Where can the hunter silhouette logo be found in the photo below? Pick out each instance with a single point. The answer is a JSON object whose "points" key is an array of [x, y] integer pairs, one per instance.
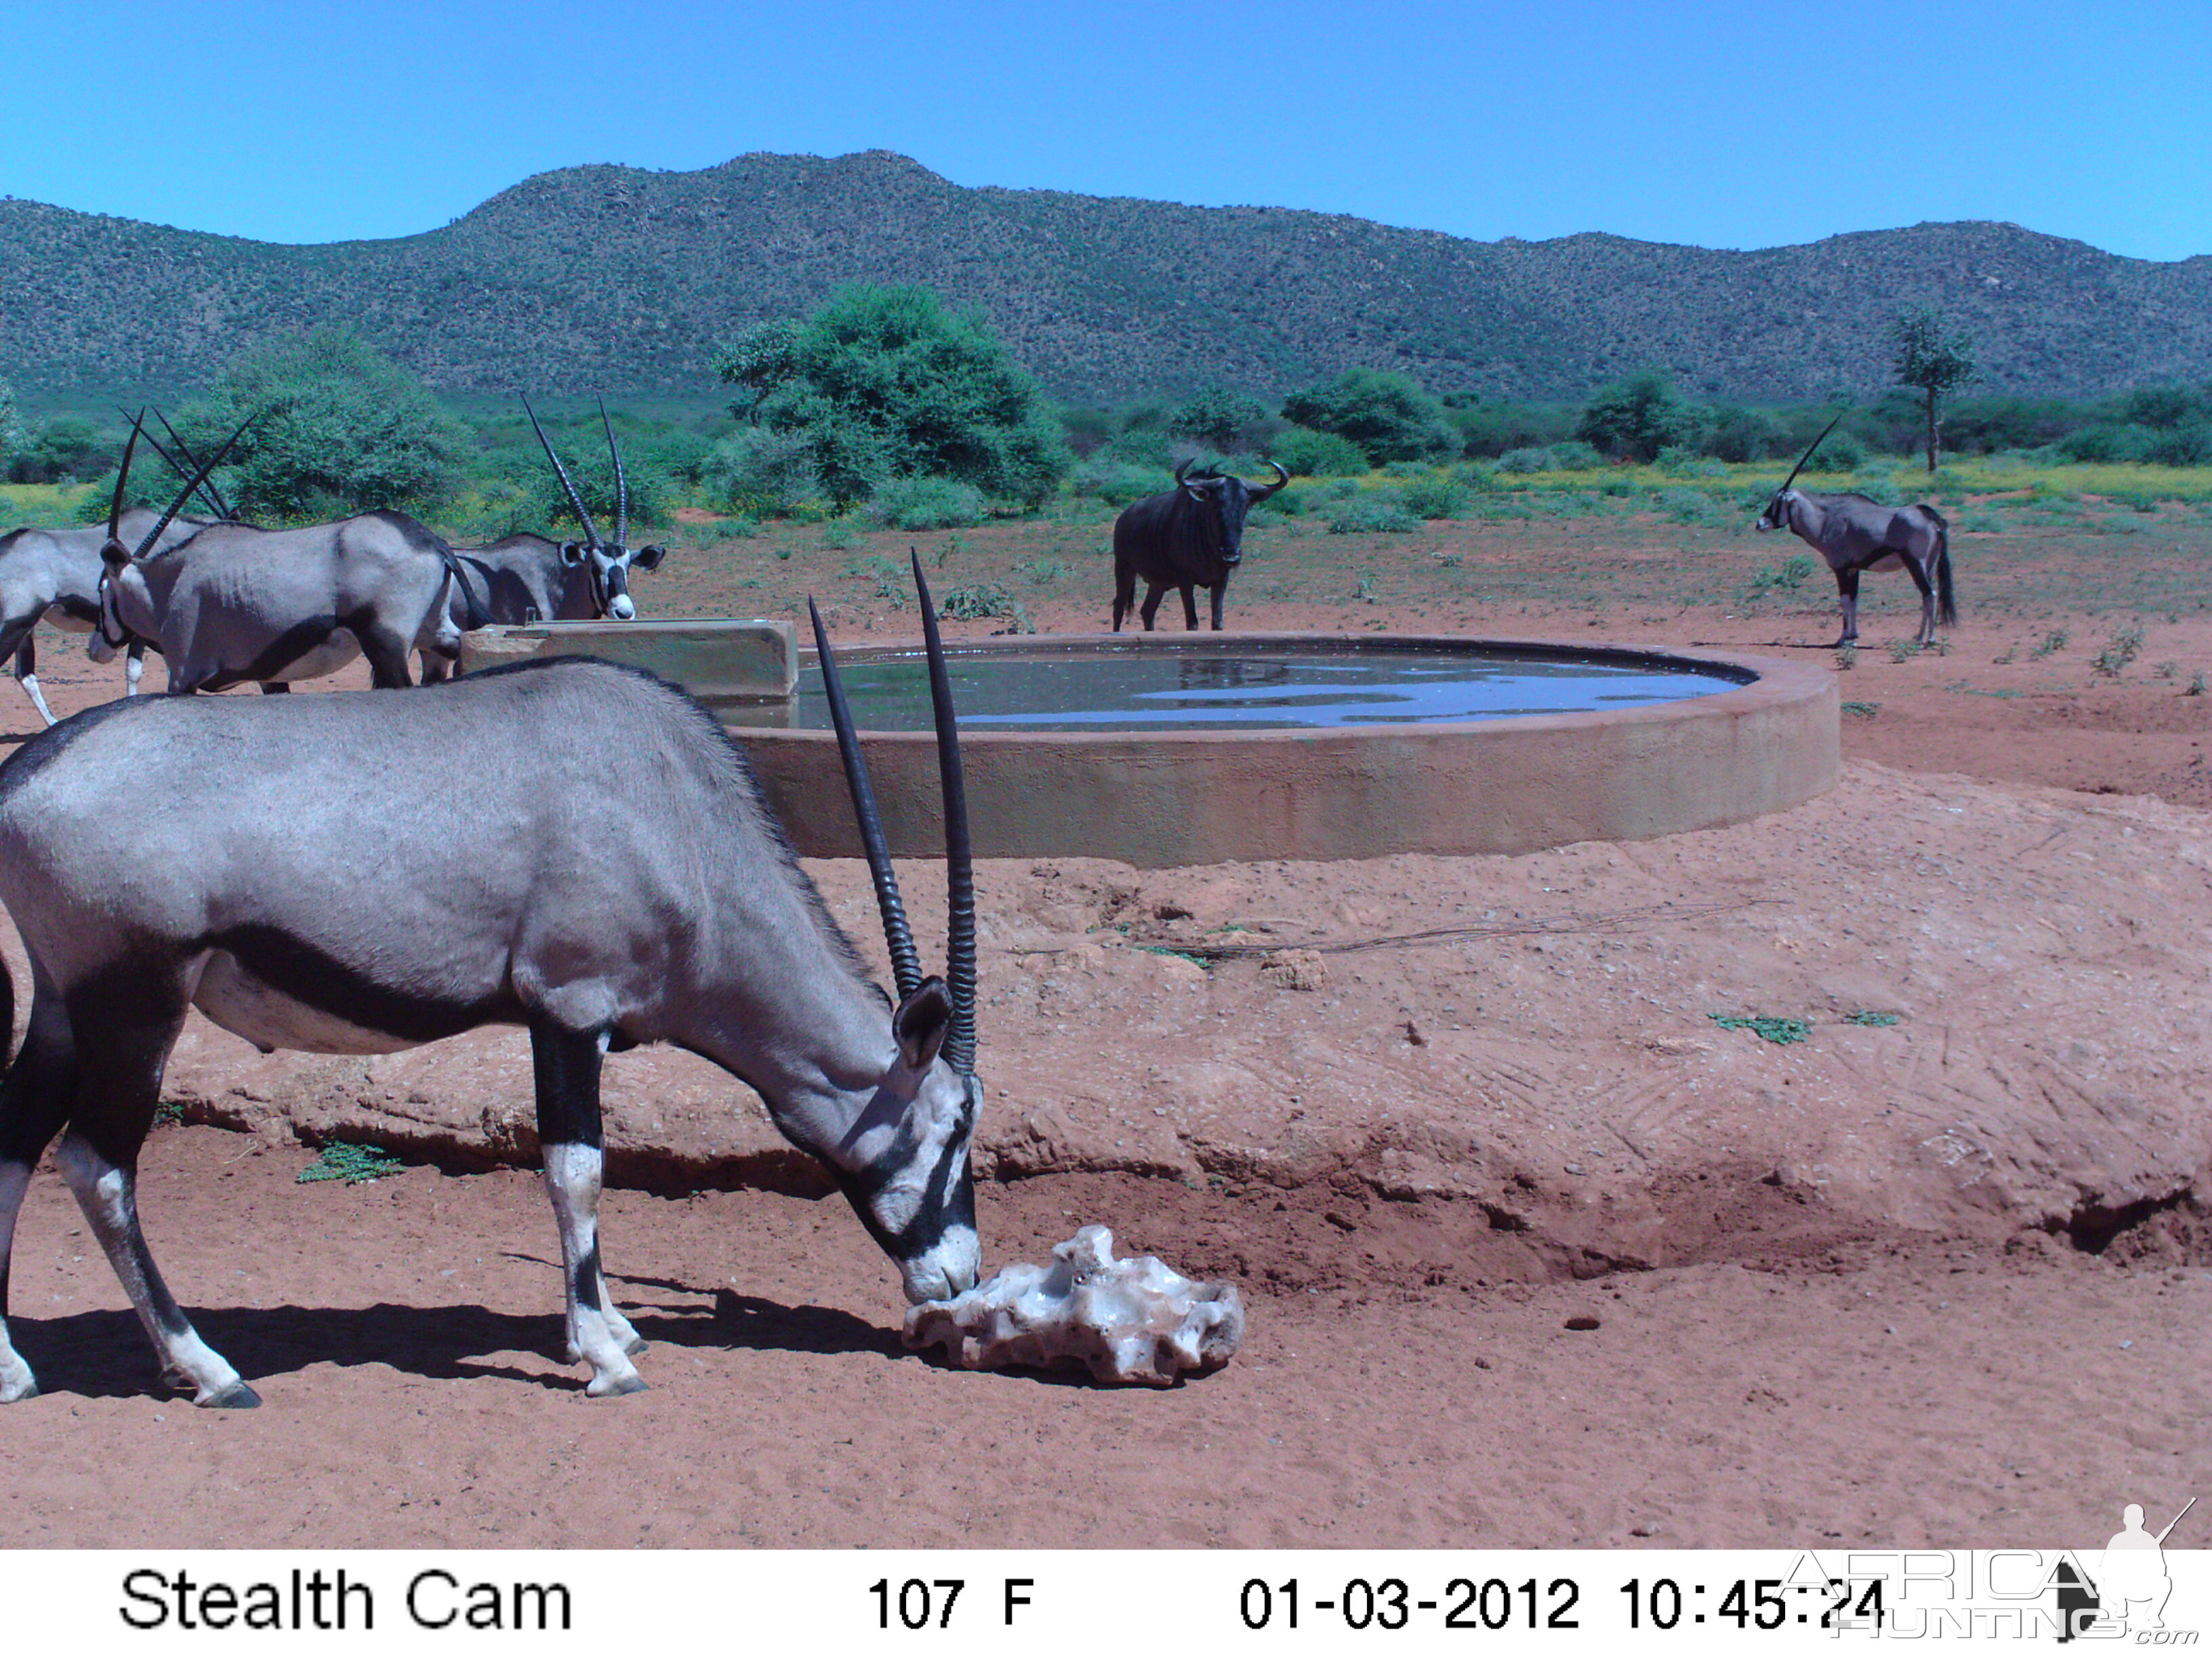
{"points": [[2130, 1585]]}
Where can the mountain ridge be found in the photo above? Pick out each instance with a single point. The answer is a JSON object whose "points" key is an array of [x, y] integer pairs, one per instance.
{"points": [[624, 279]]}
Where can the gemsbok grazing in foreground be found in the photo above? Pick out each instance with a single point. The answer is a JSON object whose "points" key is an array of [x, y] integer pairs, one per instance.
{"points": [[602, 873], [1190, 537], [528, 578], [232, 602], [1855, 534]]}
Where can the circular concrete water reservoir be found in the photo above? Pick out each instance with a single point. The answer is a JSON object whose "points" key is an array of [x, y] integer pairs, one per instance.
{"points": [[1164, 750]]}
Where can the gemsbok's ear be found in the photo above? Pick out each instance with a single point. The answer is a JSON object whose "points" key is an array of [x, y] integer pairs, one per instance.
{"points": [[572, 554], [647, 558], [921, 1022]]}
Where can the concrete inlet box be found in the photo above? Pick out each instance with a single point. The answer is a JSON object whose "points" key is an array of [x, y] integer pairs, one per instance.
{"points": [[724, 664]]}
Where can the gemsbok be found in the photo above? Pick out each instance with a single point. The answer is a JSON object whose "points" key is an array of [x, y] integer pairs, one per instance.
{"points": [[1853, 534], [564, 844]]}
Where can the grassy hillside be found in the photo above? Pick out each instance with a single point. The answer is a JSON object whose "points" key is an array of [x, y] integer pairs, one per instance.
{"points": [[620, 280]]}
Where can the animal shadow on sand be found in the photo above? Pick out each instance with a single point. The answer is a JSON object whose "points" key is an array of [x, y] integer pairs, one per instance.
{"points": [[105, 1356]]}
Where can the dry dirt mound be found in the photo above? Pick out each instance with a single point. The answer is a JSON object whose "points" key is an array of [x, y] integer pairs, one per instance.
{"points": [[1998, 992]]}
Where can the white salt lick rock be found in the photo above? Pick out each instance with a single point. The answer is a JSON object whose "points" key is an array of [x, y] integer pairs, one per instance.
{"points": [[1131, 1321]]}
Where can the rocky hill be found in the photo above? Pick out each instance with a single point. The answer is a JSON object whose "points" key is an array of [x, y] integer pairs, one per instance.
{"points": [[616, 279]]}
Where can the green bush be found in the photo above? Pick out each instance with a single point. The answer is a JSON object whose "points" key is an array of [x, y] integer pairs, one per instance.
{"points": [[1736, 434], [1639, 417], [1374, 512], [340, 427], [1388, 416], [582, 446], [1307, 453], [1436, 498], [887, 383], [2189, 445], [1117, 483], [62, 451], [928, 504], [760, 472], [1217, 416]]}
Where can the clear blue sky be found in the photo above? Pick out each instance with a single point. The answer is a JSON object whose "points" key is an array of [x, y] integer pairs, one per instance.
{"points": [[1725, 125]]}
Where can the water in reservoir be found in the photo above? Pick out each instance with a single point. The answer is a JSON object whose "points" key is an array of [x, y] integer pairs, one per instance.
{"points": [[1191, 689]]}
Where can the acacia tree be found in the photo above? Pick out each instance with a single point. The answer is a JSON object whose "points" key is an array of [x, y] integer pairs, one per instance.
{"points": [[338, 428], [888, 383], [1931, 363]]}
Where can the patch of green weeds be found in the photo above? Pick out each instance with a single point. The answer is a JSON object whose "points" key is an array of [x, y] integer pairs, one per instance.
{"points": [[1181, 956], [1904, 650], [2049, 644], [342, 1160], [1865, 711], [1771, 1028], [1870, 1016], [1847, 658], [2124, 648], [839, 534], [169, 1111], [2196, 684], [2166, 670]]}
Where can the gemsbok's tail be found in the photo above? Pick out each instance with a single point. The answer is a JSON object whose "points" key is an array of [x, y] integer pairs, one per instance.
{"points": [[1947, 606]]}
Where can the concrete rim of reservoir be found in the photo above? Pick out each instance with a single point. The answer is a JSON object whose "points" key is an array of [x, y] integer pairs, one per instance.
{"points": [[1155, 800]]}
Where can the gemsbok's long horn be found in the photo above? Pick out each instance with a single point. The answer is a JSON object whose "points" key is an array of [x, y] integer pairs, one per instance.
{"points": [[115, 507], [122, 477], [209, 491], [621, 484], [591, 530], [906, 961], [1809, 448], [959, 866]]}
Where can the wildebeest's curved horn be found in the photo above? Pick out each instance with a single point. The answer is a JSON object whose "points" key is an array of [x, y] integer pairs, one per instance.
{"points": [[906, 961], [591, 530], [959, 1048], [1281, 478], [1184, 468], [621, 484], [1809, 448], [184, 496]]}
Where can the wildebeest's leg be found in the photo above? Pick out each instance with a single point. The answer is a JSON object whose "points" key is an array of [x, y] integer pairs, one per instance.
{"points": [[1927, 599], [27, 672], [123, 1032], [134, 666], [275, 688], [1189, 591], [1220, 590], [1154, 593], [1847, 589], [33, 1103], [566, 1065]]}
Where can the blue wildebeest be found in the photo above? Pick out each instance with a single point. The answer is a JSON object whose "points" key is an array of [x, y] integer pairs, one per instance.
{"points": [[1853, 534], [518, 876], [1191, 536]]}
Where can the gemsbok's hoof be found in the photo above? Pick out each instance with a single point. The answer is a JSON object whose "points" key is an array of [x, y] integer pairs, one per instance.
{"points": [[636, 1344], [236, 1398], [607, 1387], [26, 1389]]}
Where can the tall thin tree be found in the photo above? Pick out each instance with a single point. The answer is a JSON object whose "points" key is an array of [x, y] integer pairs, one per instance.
{"points": [[1934, 365]]}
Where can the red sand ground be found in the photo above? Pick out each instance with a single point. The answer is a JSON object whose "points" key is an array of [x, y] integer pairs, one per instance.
{"points": [[1817, 1362]]}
